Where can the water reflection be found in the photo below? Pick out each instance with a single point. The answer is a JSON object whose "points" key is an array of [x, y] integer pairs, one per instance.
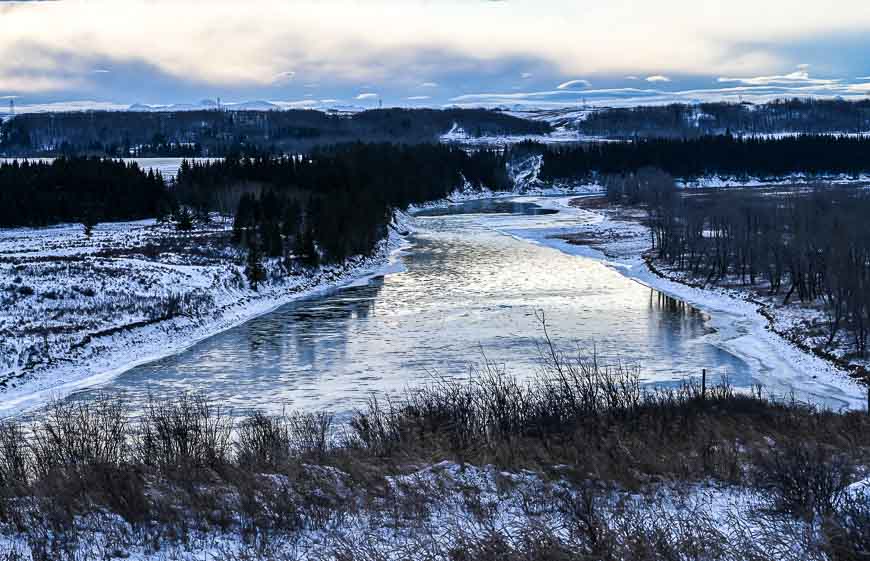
{"points": [[466, 288]]}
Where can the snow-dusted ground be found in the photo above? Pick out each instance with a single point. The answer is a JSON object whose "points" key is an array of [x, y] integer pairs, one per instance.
{"points": [[77, 311], [434, 511]]}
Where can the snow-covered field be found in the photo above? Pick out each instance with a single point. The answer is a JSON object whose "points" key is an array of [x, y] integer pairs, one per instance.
{"points": [[78, 310]]}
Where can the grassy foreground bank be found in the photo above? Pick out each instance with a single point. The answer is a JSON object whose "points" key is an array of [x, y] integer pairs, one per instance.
{"points": [[583, 462]]}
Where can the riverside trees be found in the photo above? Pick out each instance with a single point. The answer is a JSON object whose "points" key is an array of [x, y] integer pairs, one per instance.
{"points": [[724, 155], [86, 190], [808, 246]]}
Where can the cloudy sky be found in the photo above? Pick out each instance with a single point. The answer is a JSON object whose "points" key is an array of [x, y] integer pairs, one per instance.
{"points": [[113, 53]]}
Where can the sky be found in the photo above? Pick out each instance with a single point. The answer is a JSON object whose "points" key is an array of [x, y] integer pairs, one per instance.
{"points": [[75, 54]]}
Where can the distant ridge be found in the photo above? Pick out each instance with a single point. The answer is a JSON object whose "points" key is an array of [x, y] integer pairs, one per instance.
{"points": [[209, 104]]}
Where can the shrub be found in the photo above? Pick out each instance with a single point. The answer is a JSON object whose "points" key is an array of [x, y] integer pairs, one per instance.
{"points": [[184, 436], [75, 436], [14, 455], [263, 441], [807, 478], [847, 530]]}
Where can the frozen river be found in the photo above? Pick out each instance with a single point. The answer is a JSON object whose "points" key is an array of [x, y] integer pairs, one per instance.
{"points": [[467, 291]]}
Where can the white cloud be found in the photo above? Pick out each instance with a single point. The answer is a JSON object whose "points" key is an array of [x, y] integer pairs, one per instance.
{"points": [[798, 77], [367, 95], [572, 83], [632, 78], [657, 78], [418, 97], [100, 71], [526, 75], [429, 85]]}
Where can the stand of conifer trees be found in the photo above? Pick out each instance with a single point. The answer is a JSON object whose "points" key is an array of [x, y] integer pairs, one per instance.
{"points": [[88, 190], [723, 155], [693, 120]]}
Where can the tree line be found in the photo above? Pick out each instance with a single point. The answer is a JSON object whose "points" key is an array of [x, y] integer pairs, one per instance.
{"points": [[219, 133], [684, 120], [88, 190], [723, 155], [808, 246]]}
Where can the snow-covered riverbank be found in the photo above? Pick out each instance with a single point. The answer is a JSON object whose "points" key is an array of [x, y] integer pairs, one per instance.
{"points": [[79, 311]]}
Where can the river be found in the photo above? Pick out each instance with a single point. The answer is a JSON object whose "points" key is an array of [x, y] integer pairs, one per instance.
{"points": [[467, 293]]}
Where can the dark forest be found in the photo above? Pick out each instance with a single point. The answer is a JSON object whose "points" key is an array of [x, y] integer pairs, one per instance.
{"points": [[723, 155], [221, 133]]}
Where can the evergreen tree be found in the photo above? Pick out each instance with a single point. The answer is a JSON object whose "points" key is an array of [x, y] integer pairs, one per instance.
{"points": [[184, 219], [305, 249], [88, 224], [254, 270]]}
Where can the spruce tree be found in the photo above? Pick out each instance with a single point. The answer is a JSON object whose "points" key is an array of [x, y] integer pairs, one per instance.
{"points": [[88, 224], [254, 269], [184, 219]]}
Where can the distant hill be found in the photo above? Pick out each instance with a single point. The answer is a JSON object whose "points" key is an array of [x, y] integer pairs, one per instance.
{"points": [[781, 117], [193, 131]]}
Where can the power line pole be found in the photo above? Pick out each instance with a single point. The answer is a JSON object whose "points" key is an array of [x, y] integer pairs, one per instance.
{"points": [[12, 106]]}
